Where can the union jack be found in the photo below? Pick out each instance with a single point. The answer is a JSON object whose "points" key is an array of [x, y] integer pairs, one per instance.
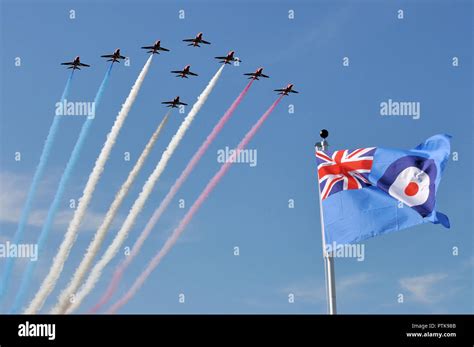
{"points": [[344, 170]]}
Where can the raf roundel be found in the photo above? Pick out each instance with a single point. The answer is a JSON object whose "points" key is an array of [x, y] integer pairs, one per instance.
{"points": [[411, 180], [412, 186]]}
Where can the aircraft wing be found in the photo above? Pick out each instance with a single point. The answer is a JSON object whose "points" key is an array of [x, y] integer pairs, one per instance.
{"points": [[294, 91], [81, 64], [176, 71], [168, 102], [70, 63], [206, 42], [107, 56], [279, 90], [250, 74], [148, 47], [164, 49], [182, 103], [220, 58], [192, 73], [262, 75], [189, 40]]}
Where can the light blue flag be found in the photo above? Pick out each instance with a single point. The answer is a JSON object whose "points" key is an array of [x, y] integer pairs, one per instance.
{"points": [[372, 191]]}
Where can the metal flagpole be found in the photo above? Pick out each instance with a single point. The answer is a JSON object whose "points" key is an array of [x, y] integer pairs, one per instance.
{"points": [[328, 256]]}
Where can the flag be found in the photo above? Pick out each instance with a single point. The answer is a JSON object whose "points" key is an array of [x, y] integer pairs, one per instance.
{"points": [[371, 191]]}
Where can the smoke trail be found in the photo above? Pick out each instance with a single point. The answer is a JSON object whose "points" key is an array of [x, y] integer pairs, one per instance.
{"points": [[190, 214], [38, 175], [144, 194], [58, 263], [76, 152], [94, 246], [169, 197]]}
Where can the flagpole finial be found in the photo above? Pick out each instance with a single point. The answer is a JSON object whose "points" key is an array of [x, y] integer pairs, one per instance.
{"points": [[323, 145], [324, 133]]}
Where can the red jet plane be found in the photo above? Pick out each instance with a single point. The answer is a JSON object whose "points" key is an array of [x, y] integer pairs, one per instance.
{"points": [[185, 72], [228, 58], [75, 64], [155, 48], [196, 41], [286, 90], [175, 103], [115, 57], [255, 75]]}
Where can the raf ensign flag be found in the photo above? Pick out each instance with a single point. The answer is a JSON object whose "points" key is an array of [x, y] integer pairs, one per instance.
{"points": [[372, 191]]}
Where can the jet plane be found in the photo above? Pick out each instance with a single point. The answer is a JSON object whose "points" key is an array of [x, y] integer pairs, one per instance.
{"points": [[75, 64], [228, 58], [285, 91], [196, 41], [185, 72], [155, 48], [255, 75], [115, 57], [175, 103]]}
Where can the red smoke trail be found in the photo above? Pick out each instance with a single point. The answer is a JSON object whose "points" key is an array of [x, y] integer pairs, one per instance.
{"points": [[168, 198], [190, 214]]}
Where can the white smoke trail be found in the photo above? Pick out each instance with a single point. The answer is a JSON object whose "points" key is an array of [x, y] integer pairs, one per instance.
{"points": [[142, 198], [52, 277], [203, 196], [94, 246]]}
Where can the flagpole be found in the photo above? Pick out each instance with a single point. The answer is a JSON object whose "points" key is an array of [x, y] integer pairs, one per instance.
{"points": [[329, 272]]}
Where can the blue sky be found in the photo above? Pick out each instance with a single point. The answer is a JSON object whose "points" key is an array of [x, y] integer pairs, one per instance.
{"points": [[280, 248]]}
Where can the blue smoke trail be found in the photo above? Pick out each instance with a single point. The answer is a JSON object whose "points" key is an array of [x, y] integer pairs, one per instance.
{"points": [[43, 236], [38, 175]]}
